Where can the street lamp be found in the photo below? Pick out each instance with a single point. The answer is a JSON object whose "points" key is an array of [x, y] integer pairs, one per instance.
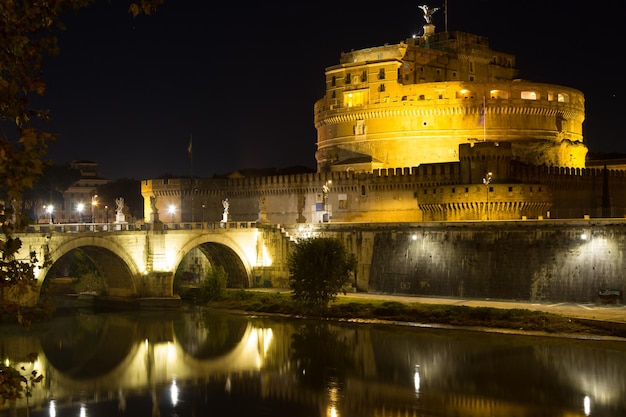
{"points": [[80, 208], [326, 190], [487, 181], [50, 210], [171, 210], [94, 203]]}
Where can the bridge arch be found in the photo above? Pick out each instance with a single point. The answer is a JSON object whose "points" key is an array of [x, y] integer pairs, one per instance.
{"points": [[116, 266], [220, 249]]}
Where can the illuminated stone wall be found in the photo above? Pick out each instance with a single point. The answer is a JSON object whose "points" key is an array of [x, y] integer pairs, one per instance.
{"points": [[450, 191], [536, 260]]}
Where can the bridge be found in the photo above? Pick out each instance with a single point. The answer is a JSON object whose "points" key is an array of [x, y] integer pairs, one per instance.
{"points": [[532, 260], [139, 261]]}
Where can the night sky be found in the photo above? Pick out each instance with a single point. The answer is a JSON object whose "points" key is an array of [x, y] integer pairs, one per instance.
{"points": [[241, 78]]}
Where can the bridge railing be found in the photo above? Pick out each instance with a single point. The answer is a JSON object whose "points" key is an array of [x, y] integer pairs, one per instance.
{"points": [[129, 227]]}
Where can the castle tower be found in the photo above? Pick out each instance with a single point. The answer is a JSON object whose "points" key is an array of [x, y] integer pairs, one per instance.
{"points": [[415, 102]]}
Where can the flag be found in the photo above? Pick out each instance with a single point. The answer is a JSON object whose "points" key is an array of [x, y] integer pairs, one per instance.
{"points": [[189, 147], [481, 119]]}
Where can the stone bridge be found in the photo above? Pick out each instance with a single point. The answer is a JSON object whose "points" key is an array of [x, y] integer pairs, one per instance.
{"points": [[533, 260], [140, 261]]}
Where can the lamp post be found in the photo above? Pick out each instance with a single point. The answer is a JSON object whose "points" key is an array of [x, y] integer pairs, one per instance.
{"points": [[49, 210], [487, 181], [326, 190], [106, 214], [171, 210], [94, 203], [80, 208]]}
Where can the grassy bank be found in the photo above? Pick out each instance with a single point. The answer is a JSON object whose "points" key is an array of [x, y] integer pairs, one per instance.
{"points": [[425, 314]]}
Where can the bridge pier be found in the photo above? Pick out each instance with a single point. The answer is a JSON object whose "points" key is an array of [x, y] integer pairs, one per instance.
{"points": [[157, 284]]}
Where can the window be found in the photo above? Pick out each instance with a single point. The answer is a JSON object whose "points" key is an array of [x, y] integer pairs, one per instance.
{"points": [[529, 95], [362, 190], [381, 74], [510, 189], [333, 81], [355, 98], [348, 78], [381, 88], [421, 97], [343, 201], [471, 66], [499, 94], [364, 76], [563, 98]]}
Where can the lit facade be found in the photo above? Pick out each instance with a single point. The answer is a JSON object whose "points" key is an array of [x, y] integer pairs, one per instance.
{"points": [[415, 102], [435, 128]]}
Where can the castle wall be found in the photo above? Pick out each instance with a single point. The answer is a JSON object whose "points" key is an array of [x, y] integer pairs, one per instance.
{"points": [[425, 123], [452, 191]]}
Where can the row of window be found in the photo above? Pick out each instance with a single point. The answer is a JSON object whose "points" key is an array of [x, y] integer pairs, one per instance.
{"points": [[466, 190]]}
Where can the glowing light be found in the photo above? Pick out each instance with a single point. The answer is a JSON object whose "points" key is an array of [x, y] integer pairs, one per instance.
{"points": [[587, 405], [414, 237], [171, 210], [83, 410], [584, 236], [174, 393], [267, 260], [417, 380], [52, 409]]}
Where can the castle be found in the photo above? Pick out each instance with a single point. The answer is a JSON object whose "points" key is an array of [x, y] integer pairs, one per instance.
{"points": [[435, 128]]}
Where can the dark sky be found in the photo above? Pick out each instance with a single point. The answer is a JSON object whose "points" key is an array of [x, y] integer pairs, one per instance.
{"points": [[241, 78]]}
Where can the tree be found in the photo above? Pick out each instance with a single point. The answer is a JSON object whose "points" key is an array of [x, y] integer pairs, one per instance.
{"points": [[126, 188], [214, 284], [26, 36], [48, 189], [319, 269]]}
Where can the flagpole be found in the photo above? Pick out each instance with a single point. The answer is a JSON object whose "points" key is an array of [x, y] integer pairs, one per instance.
{"points": [[190, 150], [484, 120]]}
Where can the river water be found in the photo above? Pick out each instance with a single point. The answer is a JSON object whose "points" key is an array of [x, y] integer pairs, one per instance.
{"points": [[194, 363]]}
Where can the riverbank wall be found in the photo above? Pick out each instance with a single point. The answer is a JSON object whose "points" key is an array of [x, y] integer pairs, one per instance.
{"points": [[538, 260]]}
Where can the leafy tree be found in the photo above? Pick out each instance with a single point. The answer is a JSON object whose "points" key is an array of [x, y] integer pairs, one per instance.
{"points": [[49, 188], [319, 268], [214, 284], [126, 188], [26, 36]]}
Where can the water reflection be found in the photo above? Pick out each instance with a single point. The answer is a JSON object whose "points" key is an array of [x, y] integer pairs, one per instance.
{"points": [[198, 363]]}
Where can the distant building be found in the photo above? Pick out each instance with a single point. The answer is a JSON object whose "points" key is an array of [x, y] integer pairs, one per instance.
{"points": [[435, 128], [80, 201]]}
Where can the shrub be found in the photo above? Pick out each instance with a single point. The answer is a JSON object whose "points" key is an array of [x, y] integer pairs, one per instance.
{"points": [[319, 268], [214, 284]]}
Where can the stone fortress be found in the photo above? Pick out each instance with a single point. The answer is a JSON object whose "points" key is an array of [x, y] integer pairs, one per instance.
{"points": [[435, 128]]}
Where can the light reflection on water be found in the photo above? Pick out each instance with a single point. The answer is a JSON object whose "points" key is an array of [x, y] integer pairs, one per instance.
{"points": [[187, 364]]}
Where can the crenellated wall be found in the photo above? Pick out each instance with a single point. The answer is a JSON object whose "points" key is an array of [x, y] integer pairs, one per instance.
{"points": [[450, 191]]}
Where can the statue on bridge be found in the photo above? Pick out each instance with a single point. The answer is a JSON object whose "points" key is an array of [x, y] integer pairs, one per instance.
{"points": [[154, 215], [226, 205], [119, 210]]}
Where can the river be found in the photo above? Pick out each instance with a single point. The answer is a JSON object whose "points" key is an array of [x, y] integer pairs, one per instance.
{"points": [[196, 363]]}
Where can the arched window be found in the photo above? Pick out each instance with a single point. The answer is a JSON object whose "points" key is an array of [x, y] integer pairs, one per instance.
{"points": [[529, 95]]}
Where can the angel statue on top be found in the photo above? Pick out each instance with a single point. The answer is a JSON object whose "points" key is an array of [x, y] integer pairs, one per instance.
{"points": [[428, 12]]}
